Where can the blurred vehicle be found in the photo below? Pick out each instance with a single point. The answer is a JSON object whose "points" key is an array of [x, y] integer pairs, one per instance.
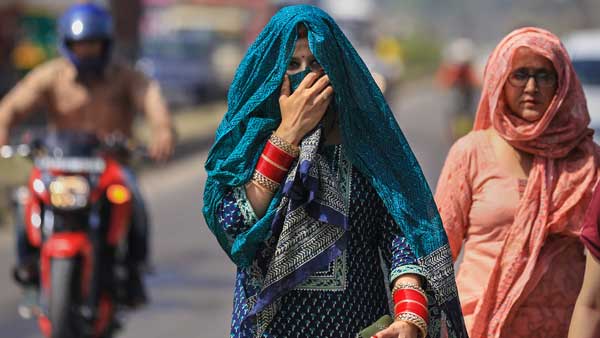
{"points": [[584, 48], [382, 55], [193, 48], [182, 63], [457, 75], [76, 210]]}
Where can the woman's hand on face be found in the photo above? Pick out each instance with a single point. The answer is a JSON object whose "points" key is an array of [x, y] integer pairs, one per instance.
{"points": [[302, 110], [399, 329]]}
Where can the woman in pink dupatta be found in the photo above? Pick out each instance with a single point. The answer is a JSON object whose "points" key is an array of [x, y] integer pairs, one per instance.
{"points": [[515, 189]]}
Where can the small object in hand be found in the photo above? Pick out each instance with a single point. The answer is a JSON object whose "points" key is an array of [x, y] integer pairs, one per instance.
{"points": [[381, 324]]}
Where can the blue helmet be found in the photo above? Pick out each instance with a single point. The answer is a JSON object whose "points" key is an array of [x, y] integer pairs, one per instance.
{"points": [[83, 22]]}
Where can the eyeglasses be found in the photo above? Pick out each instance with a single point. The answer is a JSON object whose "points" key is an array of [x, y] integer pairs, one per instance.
{"points": [[543, 78]]}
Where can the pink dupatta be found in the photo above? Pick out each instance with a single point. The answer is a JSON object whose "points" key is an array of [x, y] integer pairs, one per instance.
{"points": [[560, 183]]}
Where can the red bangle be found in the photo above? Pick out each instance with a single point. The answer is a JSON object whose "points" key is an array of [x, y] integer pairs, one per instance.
{"points": [[415, 320], [271, 171], [415, 308], [409, 303], [277, 155], [402, 294], [424, 316]]}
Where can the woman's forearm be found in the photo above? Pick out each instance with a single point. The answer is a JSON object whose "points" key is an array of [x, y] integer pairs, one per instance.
{"points": [[270, 172], [410, 308], [408, 279], [259, 198]]}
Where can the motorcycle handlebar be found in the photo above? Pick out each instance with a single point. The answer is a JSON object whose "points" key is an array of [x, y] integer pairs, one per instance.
{"points": [[128, 146], [10, 151]]}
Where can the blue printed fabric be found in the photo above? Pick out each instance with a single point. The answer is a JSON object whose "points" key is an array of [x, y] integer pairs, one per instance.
{"points": [[346, 295]]}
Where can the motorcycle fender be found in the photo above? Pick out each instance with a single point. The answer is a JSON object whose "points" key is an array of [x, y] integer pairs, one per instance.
{"points": [[67, 245]]}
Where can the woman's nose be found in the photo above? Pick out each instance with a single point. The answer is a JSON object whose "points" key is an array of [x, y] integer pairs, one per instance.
{"points": [[531, 85]]}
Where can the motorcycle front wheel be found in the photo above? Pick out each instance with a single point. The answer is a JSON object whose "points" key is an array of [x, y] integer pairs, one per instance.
{"points": [[62, 311]]}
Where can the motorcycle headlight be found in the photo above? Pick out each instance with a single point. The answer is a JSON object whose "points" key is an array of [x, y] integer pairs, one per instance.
{"points": [[69, 192]]}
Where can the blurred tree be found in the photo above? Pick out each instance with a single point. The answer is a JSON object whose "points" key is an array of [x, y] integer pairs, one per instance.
{"points": [[9, 14], [36, 41], [127, 15]]}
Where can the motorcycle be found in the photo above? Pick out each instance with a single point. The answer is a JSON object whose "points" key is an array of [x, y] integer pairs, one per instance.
{"points": [[76, 212]]}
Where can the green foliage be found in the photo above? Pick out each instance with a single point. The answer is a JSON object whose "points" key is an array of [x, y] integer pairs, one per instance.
{"points": [[422, 55], [13, 172]]}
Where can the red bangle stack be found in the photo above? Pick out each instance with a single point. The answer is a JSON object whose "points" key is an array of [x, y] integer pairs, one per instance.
{"points": [[403, 294], [413, 307], [410, 305], [278, 155], [272, 166]]}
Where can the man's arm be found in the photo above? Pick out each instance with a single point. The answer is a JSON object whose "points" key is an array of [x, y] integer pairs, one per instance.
{"points": [[149, 99], [585, 322], [28, 95]]}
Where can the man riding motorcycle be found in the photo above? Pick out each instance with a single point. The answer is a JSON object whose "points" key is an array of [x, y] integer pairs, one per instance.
{"points": [[86, 91], [457, 74]]}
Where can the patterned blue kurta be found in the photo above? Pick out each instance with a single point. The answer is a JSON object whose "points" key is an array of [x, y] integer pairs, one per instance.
{"points": [[343, 298]]}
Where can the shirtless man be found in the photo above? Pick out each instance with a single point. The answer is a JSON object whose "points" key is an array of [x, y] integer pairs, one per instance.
{"points": [[84, 91]]}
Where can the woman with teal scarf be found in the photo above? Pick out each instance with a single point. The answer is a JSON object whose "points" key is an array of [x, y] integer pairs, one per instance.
{"points": [[315, 195]]}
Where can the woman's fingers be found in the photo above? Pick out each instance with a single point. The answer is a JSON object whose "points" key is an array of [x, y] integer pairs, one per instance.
{"points": [[387, 334], [325, 96], [319, 85], [308, 81], [285, 87], [303, 109], [397, 330]]}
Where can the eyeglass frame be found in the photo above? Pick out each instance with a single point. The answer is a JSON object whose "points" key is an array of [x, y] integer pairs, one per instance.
{"points": [[536, 77]]}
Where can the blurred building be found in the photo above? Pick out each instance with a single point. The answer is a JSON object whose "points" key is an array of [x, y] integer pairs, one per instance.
{"points": [[192, 47], [241, 17]]}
